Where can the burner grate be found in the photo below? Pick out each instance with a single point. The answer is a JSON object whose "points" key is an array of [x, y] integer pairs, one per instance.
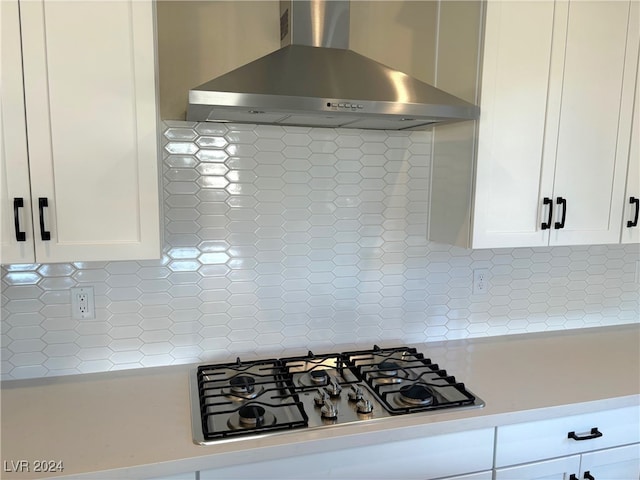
{"points": [[392, 372], [230, 394], [248, 398]]}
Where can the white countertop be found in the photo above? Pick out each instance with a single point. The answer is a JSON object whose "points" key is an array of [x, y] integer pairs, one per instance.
{"points": [[137, 423]]}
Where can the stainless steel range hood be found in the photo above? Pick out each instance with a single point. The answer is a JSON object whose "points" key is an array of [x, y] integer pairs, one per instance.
{"points": [[314, 80]]}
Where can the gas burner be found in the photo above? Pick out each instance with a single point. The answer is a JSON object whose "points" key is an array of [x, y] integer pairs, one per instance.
{"points": [[315, 377], [388, 371], [415, 395], [319, 377], [242, 384], [242, 387], [251, 416]]}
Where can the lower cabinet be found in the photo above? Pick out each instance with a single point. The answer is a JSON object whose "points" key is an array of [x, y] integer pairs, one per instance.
{"points": [[438, 457], [616, 463], [621, 463], [556, 469], [179, 476], [601, 445], [488, 475]]}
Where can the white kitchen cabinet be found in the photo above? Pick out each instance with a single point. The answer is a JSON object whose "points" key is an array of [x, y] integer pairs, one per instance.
{"points": [[91, 131], [179, 476], [556, 469], [602, 445], [621, 463], [16, 235], [488, 475], [550, 151], [630, 223], [440, 456], [528, 442]]}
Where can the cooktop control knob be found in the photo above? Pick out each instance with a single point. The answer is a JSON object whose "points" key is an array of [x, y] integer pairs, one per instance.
{"points": [[334, 388], [320, 397], [355, 394], [329, 410], [364, 406]]}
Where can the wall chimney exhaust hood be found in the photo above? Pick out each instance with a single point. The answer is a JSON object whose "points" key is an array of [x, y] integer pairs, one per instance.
{"points": [[314, 80]]}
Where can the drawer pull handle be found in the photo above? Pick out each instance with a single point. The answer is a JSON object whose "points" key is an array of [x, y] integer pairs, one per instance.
{"points": [[18, 203], [588, 476], [573, 477], [546, 225], [595, 433], [43, 203], [563, 202], [634, 201]]}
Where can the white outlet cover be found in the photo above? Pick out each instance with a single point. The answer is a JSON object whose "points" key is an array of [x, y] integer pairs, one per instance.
{"points": [[80, 311], [480, 281]]}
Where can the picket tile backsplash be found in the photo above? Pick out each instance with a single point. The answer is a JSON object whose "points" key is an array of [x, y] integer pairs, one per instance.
{"points": [[291, 238]]}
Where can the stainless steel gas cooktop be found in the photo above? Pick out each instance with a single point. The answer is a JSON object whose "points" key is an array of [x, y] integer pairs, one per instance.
{"points": [[233, 400]]}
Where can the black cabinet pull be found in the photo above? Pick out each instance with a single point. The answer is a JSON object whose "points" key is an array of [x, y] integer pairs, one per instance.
{"points": [[595, 433], [588, 476], [546, 225], [573, 477], [563, 202], [18, 203], [42, 203], [634, 201]]}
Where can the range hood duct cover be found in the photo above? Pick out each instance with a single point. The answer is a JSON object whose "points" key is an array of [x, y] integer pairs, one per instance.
{"points": [[314, 80]]}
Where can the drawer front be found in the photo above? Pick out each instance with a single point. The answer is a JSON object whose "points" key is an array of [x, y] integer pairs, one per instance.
{"points": [[556, 469], [621, 462], [421, 459], [528, 442]]}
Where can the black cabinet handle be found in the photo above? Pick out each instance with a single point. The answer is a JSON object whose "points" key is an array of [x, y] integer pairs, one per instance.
{"points": [[546, 225], [588, 476], [634, 201], [573, 477], [18, 203], [563, 202], [42, 203], [595, 433]]}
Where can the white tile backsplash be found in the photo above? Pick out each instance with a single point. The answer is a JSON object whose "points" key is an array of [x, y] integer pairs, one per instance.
{"points": [[298, 238]]}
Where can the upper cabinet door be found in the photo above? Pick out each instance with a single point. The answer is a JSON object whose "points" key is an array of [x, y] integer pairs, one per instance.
{"points": [[90, 94], [600, 61], [16, 236], [630, 220], [515, 82]]}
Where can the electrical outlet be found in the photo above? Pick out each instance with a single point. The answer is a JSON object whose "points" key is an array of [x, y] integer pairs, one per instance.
{"points": [[480, 281], [82, 303]]}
